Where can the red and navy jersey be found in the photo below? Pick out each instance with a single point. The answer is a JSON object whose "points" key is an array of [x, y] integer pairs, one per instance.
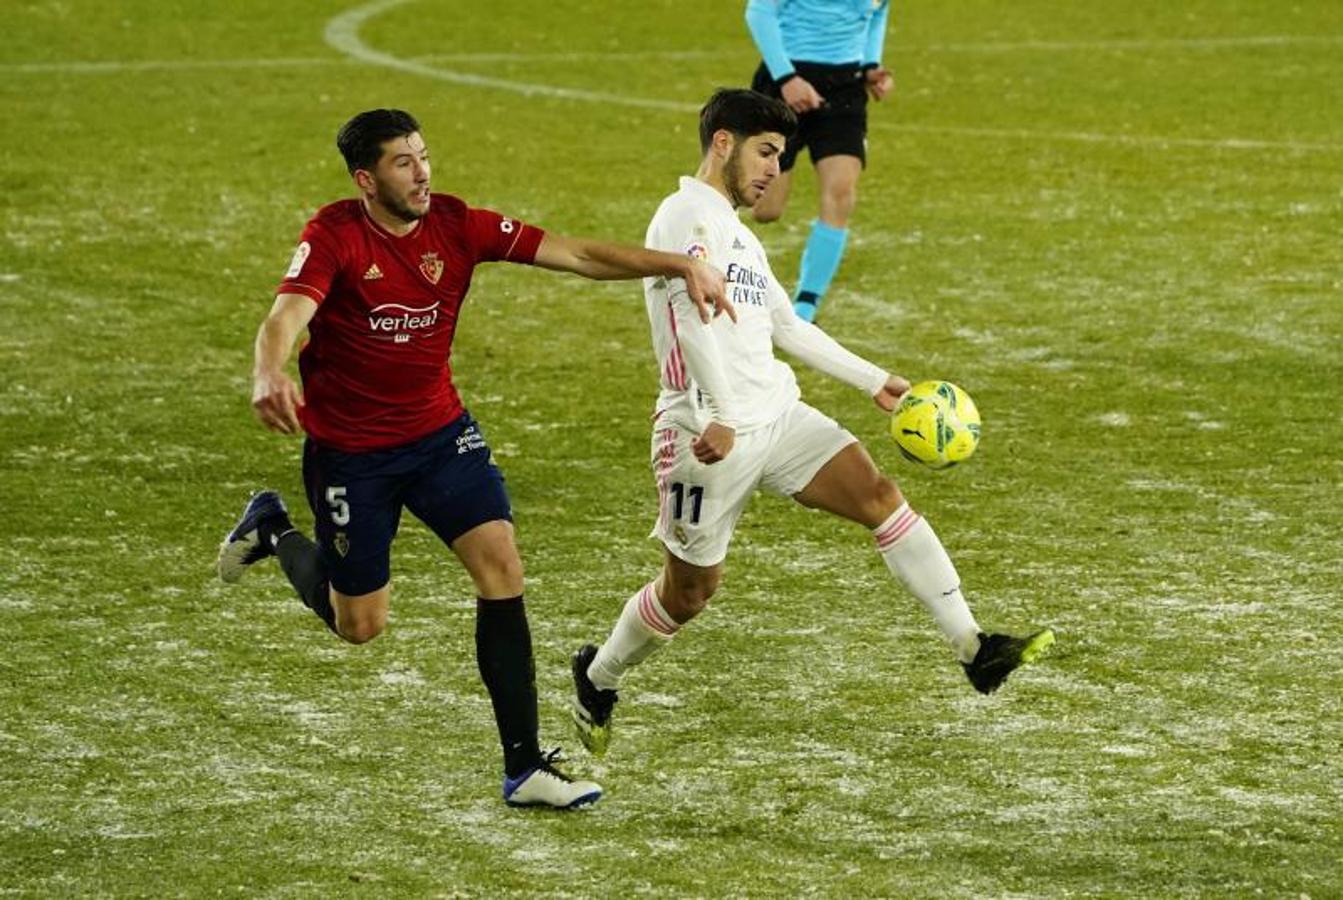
{"points": [[377, 370]]}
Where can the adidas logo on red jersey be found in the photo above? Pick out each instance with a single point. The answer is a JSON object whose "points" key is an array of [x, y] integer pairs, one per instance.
{"points": [[373, 273]]}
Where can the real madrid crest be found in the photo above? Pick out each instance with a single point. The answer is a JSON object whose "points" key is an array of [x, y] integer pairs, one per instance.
{"points": [[432, 267], [342, 543]]}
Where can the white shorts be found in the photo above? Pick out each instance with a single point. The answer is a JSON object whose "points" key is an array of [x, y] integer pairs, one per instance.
{"points": [[698, 505]]}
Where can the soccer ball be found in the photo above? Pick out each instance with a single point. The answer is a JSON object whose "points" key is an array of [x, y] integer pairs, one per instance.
{"points": [[936, 424]]}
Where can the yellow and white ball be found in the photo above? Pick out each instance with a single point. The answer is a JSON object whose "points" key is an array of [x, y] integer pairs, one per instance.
{"points": [[936, 424]]}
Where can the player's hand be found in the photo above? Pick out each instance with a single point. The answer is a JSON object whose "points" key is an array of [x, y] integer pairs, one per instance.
{"points": [[888, 398], [708, 291], [714, 444], [800, 96], [276, 400], [879, 83]]}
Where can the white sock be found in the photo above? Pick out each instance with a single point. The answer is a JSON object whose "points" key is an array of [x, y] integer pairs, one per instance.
{"points": [[643, 628], [915, 556]]}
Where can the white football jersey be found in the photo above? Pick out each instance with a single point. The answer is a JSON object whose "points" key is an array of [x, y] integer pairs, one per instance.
{"points": [[727, 371]]}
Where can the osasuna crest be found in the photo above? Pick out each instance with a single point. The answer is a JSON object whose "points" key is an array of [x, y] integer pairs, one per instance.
{"points": [[432, 267], [342, 543]]}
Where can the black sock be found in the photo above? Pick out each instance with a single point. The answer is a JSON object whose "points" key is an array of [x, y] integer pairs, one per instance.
{"points": [[302, 564], [504, 655], [806, 297], [270, 528]]}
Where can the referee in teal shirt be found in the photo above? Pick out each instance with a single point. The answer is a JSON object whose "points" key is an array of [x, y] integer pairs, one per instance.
{"points": [[823, 57]]}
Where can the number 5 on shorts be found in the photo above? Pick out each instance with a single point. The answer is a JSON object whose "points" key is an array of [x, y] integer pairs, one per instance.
{"points": [[340, 507], [679, 494]]}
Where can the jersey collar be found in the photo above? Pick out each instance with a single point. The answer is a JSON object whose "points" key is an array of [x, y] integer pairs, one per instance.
{"points": [[706, 193], [373, 223]]}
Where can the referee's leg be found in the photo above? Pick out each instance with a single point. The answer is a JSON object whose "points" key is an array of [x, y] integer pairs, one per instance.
{"points": [[837, 178]]}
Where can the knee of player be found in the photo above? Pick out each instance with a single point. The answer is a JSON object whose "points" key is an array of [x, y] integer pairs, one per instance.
{"points": [[699, 597], [498, 559], [839, 203], [885, 498], [360, 632], [692, 597], [500, 572], [362, 629]]}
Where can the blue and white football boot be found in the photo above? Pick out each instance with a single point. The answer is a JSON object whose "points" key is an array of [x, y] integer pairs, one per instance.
{"points": [[244, 545], [545, 785]]}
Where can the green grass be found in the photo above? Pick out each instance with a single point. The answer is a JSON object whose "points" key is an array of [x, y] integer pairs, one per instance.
{"points": [[1118, 231]]}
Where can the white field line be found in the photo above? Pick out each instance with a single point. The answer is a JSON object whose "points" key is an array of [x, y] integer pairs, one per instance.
{"points": [[1206, 43], [149, 65], [106, 67], [342, 33], [1118, 140]]}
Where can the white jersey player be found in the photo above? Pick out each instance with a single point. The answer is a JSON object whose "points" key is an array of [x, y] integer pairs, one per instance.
{"points": [[730, 419], [726, 374]]}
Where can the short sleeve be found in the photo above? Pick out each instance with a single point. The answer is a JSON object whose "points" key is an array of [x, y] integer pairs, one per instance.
{"points": [[686, 234], [494, 237], [314, 265]]}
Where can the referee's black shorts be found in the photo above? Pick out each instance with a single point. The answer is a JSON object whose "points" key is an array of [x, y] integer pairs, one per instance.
{"points": [[839, 128]]}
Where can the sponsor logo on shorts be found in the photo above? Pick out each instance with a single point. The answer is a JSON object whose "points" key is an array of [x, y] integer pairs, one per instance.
{"points": [[469, 440], [680, 535]]}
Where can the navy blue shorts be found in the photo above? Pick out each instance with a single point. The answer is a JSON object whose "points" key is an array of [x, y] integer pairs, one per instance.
{"points": [[446, 479], [839, 128]]}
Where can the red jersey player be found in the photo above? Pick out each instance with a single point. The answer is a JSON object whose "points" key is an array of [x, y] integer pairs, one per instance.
{"points": [[378, 281]]}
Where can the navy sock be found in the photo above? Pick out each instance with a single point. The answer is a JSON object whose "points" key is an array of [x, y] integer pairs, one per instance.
{"points": [[504, 655], [302, 563], [269, 529]]}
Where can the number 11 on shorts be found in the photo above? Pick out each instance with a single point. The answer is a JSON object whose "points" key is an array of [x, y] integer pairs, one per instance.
{"points": [[679, 494]]}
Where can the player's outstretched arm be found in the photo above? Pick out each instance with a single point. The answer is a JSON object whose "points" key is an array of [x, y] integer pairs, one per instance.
{"points": [[604, 260], [888, 397], [275, 397], [819, 350]]}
